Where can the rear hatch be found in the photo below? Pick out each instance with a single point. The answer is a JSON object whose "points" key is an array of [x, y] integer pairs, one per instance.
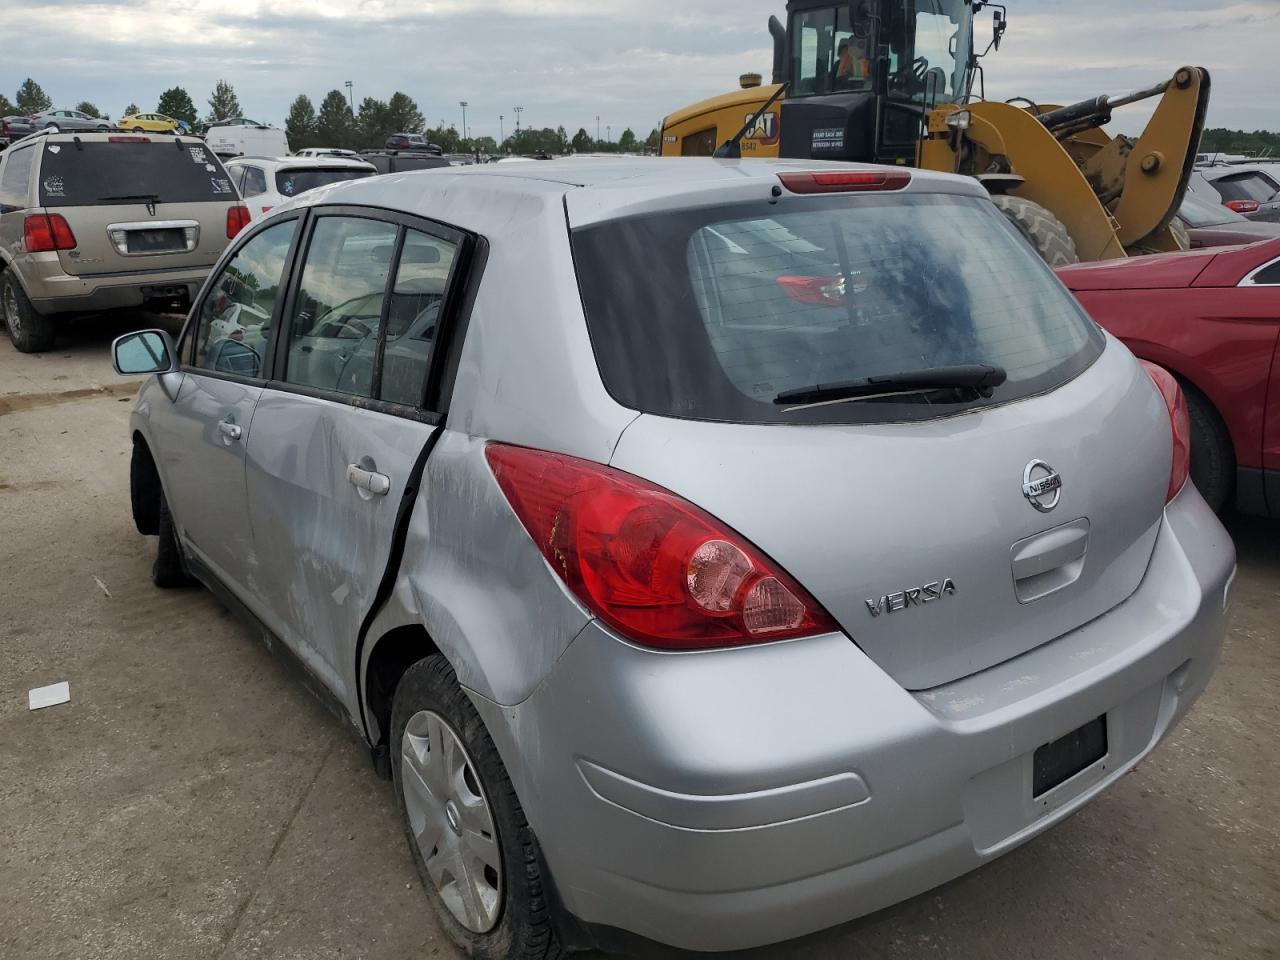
{"points": [[922, 521], [137, 203]]}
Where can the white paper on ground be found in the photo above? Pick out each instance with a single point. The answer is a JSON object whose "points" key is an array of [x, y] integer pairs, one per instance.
{"points": [[49, 696]]}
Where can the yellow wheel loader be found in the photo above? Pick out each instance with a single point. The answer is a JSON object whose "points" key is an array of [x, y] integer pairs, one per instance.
{"points": [[901, 82]]}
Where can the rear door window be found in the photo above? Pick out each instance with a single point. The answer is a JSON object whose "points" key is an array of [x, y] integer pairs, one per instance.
{"points": [[290, 183], [255, 181], [131, 170], [712, 313]]}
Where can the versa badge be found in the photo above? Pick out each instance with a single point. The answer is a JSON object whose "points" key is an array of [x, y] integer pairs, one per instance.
{"points": [[911, 597]]}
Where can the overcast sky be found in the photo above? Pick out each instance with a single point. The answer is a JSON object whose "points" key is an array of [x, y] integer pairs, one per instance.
{"points": [[568, 61]]}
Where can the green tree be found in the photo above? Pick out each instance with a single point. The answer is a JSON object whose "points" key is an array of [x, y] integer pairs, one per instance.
{"points": [[374, 124], [177, 103], [300, 127], [335, 126], [446, 138], [486, 145], [530, 141], [1258, 143], [84, 106], [224, 105], [652, 142], [581, 142], [628, 143], [6, 107], [31, 98], [130, 110], [403, 114]]}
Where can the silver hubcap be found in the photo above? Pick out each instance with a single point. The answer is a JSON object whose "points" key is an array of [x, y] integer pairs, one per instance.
{"points": [[451, 821], [11, 309]]}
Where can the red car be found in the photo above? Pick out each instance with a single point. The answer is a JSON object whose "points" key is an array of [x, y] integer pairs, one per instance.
{"points": [[1212, 317]]}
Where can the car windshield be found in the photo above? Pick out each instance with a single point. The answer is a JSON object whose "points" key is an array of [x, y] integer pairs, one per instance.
{"points": [[710, 314], [290, 183], [131, 170], [1199, 212], [1246, 186]]}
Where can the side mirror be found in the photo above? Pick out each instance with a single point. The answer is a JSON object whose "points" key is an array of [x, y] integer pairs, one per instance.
{"points": [[998, 26], [148, 351]]}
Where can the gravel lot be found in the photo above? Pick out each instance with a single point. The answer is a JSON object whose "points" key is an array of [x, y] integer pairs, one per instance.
{"points": [[193, 800]]}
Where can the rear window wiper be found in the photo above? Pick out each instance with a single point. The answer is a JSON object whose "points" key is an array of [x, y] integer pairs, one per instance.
{"points": [[981, 378], [153, 197]]}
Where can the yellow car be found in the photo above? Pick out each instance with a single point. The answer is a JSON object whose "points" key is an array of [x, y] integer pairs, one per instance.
{"points": [[149, 123]]}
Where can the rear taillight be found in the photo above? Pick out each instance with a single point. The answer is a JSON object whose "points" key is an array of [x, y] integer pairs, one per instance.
{"points": [[1242, 206], [654, 567], [814, 291], [1180, 420], [133, 139], [237, 220], [44, 232], [845, 181]]}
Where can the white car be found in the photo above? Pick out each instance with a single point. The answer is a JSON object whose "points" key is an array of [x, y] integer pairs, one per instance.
{"points": [[264, 182], [326, 152]]}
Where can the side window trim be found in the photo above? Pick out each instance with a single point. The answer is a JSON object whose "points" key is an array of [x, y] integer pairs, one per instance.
{"points": [[187, 338], [1254, 277], [462, 240]]}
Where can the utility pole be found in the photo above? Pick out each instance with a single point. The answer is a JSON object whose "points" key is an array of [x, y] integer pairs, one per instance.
{"points": [[518, 110], [351, 97], [463, 105]]}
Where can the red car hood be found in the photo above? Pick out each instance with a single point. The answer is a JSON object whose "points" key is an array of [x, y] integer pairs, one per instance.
{"points": [[1160, 271]]}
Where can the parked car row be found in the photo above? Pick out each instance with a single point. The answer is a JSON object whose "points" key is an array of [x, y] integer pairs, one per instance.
{"points": [[708, 552], [1249, 189]]}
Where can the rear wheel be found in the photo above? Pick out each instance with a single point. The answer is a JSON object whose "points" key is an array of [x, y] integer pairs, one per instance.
{"points": [[53, 128], [1213, 460], [470, 840], [29, 331], [1045, 232]]}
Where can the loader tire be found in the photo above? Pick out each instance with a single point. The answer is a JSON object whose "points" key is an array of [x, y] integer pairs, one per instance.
{"points": [[1045, 232]]}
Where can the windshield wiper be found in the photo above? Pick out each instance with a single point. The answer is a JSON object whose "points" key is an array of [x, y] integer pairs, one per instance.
{"points": [[981, 378], [153, 197]]}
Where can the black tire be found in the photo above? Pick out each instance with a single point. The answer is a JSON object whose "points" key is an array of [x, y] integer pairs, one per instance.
{"points": [[1045, 232], [169, 570], [29, 331], [524, 929], [1213, 458]]}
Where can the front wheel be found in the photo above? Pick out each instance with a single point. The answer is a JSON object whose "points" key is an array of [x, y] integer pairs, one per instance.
{"points": [[470, 840], [1044, 231], [169, 570], [1213, 460]]}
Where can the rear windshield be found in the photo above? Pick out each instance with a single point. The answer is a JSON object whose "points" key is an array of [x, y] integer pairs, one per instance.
{"points": [[709, 314], [290, 183], [162, 171], [1198, 212], [1246, 186]]}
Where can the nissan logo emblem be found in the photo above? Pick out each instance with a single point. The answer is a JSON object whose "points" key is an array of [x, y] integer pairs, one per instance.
{"points": [[1041, 485]]}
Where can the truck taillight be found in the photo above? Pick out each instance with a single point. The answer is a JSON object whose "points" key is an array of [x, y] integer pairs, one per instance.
{"points": [[649, 564], [44, 232], [1180, 422], [237, 220], [846, 181]]}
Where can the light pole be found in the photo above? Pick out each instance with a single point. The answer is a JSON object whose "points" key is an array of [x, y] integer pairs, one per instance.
{"points": [[351, 97], [501, 135], [608, 129], [463, 105], [518, 110], [597, 128]]}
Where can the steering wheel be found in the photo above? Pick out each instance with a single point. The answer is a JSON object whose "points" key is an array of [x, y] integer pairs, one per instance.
{"points": [[912, 81], [920, 69]]}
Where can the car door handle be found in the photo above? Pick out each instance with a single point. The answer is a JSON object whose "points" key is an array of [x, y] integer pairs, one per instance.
{"points": [[230, 431], [377, 484]]}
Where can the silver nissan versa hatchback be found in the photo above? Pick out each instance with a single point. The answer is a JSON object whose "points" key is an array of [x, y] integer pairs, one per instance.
{"points": [[710, 551]]}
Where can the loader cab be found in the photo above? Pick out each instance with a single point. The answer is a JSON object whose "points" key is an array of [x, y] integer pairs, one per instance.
{"points": [[862, 76]]}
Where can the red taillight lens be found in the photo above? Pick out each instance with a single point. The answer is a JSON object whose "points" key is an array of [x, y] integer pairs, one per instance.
{"points": [[128, 139], [1242, 206], [846, 181], [814, 291], [654, 567], [1180, 420], [43, 232], [237, 220]]}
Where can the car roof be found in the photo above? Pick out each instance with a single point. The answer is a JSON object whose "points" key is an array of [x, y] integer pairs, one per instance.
{"points": [[308, 163], [1217, 173], [86, 136]]}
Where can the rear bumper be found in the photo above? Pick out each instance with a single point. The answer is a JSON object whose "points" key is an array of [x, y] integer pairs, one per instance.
{"points": [[52, 291], [732, 799]]}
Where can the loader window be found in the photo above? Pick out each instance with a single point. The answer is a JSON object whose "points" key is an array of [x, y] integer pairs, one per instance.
{"points": [[929, 44], [827, 57]]}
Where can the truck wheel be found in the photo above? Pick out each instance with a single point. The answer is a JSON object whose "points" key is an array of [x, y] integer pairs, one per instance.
{"points": [[169, 570], [29, 331], [1213, 459], [472, 845], [1042, 229]]}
